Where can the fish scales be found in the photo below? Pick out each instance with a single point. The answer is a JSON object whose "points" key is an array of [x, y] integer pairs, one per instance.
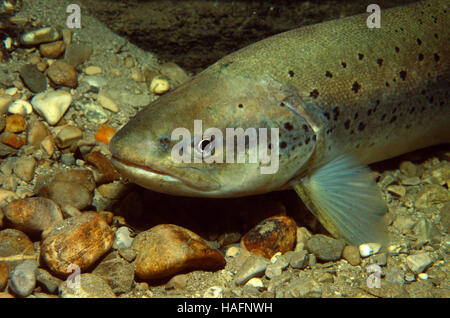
{"points": [[384, 92]]}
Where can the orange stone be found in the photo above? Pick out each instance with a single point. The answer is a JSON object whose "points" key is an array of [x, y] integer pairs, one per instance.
{"points": [[104, 134], [12, 140], [15, 123], [272, 235], [104, 165]]}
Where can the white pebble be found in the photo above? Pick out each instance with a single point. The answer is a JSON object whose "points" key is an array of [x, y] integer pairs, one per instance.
{"points": [[159, 86], [423, 276], [107, 103], [275, 257], [255, 282], [368, 249], [232, 251], [214, 292], [418, 262], [11, 91], [52, 105], [21, 107], [123, 238]]}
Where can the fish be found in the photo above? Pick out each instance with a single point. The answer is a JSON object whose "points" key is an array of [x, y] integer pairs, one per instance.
{"points": [[341, 96]]}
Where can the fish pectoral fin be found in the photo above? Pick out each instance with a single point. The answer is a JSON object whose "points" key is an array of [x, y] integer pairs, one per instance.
{"points": [[346, 201]]}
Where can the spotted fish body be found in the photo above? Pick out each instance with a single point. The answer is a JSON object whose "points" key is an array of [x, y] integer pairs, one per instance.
{"points": [[340, 93]]}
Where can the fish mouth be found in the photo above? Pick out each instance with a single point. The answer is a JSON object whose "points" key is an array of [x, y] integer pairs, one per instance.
{"points": [[159, 180]]}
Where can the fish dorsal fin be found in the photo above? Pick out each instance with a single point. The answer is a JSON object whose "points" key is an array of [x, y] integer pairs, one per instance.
{"points": [[345, 200]]}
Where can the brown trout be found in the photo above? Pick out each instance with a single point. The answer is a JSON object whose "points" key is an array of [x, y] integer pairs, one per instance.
{"points": [[342, 96]]}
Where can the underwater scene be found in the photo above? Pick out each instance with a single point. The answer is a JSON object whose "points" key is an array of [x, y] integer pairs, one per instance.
{"points": [[224, 149]]}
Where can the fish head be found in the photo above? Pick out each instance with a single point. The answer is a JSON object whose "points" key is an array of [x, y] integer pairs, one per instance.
{"points": [[217, 135]]}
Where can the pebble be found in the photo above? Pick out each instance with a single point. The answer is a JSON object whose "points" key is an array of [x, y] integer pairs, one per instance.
{"points": [[52, 50], [351, 254], [34, 80], [3, 275], [24, 168], [91, 286], [397, 190], [368, 249], [33, 215], [104, 165], [83, 177], [404, 223], [49, 282], [410, 181], [299, 259], [408, 168], [325, 248], [6, 196], [272, 235], [232, 251], [67, 136], [92, 70], [418, 262], [68, 159], [69, 211], [43, 35], [5, 149], [379, 259], [137, 75], [122, 238], [67, 193], [254, 266], [36, 133], [95, 113], [107, 102], [175, 73], [15, 246], [80, 240], [113, 190], [48, 146], [15, 124], [299, 288], [62, 73], [12, 140], [119, 274], [20, 107], [255, 282], [422, 276], [77, 53], [177, 282], [5, 102], [23, 278], [167, 249], [159, 86], [128, 254], [52, 105], [273, 270], [2, 216]]}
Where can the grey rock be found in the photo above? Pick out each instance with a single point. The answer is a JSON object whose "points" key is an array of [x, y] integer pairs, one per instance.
{"points": [[128, 254], [24, 168], [68, 159], [325, 248], [49, 282], [418, 262], [254, 265], [33, 79], [300, 287], [76, 53], [273, 270], [88, 286], [6, 151], [299, 259], [379, 259], [23, 278], [119, 274]]}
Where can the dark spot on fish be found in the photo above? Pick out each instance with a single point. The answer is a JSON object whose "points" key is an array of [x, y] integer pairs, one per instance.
{"points": [[305, 128], [307, 140], [369, 112], [355, 117], [397, 49], [327, 115], [269, 146], [300, 144], [361, 126], [329, 147], [387, 84], [436, 57], [282, 104], [403, 75], [394, 118], [352, 132], [377, 102], [383, 117], [314, 138], [314, 93], [380, 62], [288, 126], [394, 110], [240, 105], [436, 36], [423, 92], [329, 131], [360, 56], [394, 79], [347, 124], [291, 73], [356, 87], [419, 41], [420, 56], [401, 29], [344, 65], [283, 144], [336, 113], [328, 74], [412, 110]]}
